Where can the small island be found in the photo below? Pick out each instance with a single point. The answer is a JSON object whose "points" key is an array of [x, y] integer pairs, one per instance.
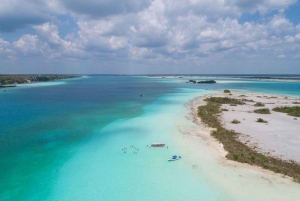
{"points": [[203, 82], [12, 80]]}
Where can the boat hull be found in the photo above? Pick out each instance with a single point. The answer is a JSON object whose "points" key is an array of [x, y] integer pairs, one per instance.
{"points": [[157, 145]]}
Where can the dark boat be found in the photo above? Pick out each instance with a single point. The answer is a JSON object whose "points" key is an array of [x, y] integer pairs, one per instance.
{"points": [[157, 144]]}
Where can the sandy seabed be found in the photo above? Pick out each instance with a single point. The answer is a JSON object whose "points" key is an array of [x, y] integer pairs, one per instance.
{"points": [[245, 182]]}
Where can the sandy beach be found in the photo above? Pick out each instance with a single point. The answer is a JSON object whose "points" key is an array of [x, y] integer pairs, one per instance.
{"points": [[207, 156], [279, 137]]}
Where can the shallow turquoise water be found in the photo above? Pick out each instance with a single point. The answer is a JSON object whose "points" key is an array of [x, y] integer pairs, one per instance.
{"points": [[64, 141], [101, 170]]}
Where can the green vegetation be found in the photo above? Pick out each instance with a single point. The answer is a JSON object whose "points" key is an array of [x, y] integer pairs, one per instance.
{"points": [[260, 120], [292, 111], [208, 114], [224, 109], [193, 81], [207, 82], [225, 100], [20, 79], [259, 104], [226, 91], [235, 121], [203, 82], [247, 100], [238, 151], [262, 111]]}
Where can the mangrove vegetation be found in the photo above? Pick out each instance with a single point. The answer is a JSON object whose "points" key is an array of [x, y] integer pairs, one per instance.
{"points": [[292, 111]]}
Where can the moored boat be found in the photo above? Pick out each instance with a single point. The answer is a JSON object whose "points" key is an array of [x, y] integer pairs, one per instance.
{"points": [[157, 144], [174, 158]]}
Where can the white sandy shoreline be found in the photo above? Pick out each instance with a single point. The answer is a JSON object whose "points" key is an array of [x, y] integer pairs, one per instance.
{"points": [[231, 77], [207, 156]]}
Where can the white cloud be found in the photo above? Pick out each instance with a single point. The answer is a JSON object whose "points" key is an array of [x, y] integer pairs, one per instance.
{"points": [[280, 24], [3, 44], [103, 8], [289, 39], [262, 6], [19, 14], [297, 37], [179, 32], [47, 43], [29, 44], [156, 32], [49, 34]]}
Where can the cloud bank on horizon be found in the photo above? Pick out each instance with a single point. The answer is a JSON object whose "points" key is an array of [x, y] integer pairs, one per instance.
{"points": [[150, 36]]}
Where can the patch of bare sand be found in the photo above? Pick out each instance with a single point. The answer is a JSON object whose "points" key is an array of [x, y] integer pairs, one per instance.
{"points": [[280, 137]]}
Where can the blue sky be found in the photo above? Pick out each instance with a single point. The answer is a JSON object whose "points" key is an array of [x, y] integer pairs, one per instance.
{"points": [[150, 36]]}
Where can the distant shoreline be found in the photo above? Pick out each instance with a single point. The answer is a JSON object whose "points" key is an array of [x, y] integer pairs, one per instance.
{"points": [[7, 86], [8, 81], [295, 78]]}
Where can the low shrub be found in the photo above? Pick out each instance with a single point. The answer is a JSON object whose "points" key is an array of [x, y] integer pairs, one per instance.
{"points": [[292, 111], [225, 100], [260, 120], [247, 100], [262, 111], [235, 121], [259, 104]]}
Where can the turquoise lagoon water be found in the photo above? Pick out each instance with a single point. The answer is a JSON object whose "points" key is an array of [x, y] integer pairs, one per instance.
{"points": [[64, 140]]}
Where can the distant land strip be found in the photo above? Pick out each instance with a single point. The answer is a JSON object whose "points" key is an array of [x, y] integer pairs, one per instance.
{"points": [[273, 78], [12, 80]]}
